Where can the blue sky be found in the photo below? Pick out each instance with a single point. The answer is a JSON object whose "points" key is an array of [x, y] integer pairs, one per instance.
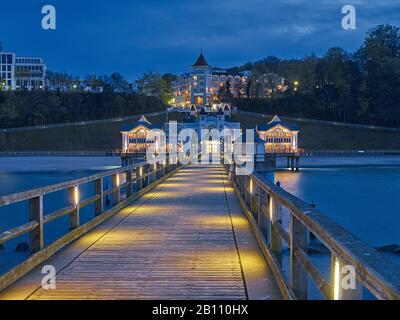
{"points": [[130, 37]]}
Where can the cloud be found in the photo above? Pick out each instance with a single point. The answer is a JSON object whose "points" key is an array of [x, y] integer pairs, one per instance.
{"points": [[132, 36]]}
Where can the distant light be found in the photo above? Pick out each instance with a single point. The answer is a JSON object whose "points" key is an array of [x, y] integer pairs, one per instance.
{"points": [[336, 284], [76, 195], [296, 83]]}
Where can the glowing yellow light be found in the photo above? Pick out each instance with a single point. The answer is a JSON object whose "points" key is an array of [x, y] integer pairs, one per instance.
{"points": [[251, 186], [76, 195], [296, 83], [117, 180], [336, 281], [155, 166]]}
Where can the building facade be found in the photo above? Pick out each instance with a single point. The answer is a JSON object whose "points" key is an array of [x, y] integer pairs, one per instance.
{"points": [[276, 137], [279, 137], [202, 86], [140, 136], [21, 72]]}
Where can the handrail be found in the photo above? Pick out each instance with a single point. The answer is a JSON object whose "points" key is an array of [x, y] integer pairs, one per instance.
{"points": [[26, 195], [135, 179], [263, 201]]}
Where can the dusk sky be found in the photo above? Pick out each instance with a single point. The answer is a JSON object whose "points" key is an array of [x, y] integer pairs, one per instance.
{"points": [[131, 37]]}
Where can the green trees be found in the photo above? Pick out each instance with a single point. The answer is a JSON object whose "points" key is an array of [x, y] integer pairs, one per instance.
{"points": [[379, 59], [363, 87], [154, 84], [26, 108]]}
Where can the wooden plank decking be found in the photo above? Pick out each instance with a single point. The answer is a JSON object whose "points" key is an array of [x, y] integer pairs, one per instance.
{"points": [[187, 239]]}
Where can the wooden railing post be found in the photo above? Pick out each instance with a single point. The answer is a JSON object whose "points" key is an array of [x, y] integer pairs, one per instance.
{"points": [[36, 237], [148, 174], [298, 275], [254, 197], [129, 181], [246, 189], [156, 173], [344, 289], [145, 170], [115, 183], [275, 238], [99, 204], [74, 219], [242, 186], [263, 213]]}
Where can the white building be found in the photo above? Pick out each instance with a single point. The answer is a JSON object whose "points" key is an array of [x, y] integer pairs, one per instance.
{"points": [[202, 86], [21, 72], [279, 137]]}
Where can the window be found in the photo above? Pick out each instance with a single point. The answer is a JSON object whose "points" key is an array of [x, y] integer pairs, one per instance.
{"points": [[9, 59], [3, 59]]}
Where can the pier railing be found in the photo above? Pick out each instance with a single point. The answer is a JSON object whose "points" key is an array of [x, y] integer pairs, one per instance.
{"points": [[264, 201], [127, 184]]}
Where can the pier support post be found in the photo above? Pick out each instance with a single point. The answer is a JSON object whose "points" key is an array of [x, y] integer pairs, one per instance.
{"points": [[73, 195], [263, 213], [254, 198], [146, 173], [246, 190], [99, 204], [116, 194], [149, 173], [36, 238], [298, 275], [288, 162], [139, 178], [297, 163], [275, 209], [129, 181]]}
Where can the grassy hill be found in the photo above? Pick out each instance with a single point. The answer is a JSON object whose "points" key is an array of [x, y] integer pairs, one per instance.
{"points": [[106, 136], [90, 137]]}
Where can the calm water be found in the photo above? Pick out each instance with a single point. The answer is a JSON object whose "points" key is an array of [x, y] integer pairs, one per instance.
{"points": [[19, 174], [365, 200]]}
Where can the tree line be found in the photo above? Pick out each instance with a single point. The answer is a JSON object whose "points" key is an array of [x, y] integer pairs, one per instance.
{"points": [[151, 83], [26, 108], [361, 87]]}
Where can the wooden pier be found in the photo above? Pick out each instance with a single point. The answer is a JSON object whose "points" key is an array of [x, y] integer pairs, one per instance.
{"points": [[187, 232]]}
